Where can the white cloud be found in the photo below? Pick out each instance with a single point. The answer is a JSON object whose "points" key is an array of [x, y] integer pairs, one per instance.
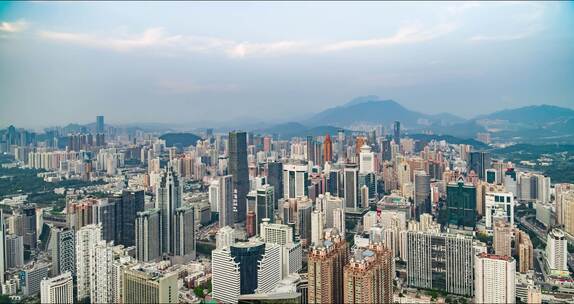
{"points": [[152, 37], [157, 38], [405, 35], [13, 27]]}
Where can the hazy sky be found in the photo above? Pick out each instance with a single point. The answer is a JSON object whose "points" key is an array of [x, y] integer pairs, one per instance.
{"points": [[185, 62]]}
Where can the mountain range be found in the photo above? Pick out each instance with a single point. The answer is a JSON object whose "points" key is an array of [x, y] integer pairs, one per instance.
{"points": [[533, 124]]}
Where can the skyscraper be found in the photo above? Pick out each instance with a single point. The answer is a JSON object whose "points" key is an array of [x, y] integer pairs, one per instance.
{"points": [[148, 235], [502, 242], [184, 224], [244, 268], [2, 248], [295, 181], [100, 124], [494, 277], [478, 162], [101, 280], [351, 182], [225, 201], [168, 199], [275, 178], [132, 202], [422, 193], [265, 202], [397, 132], [325, 270], [238, 169], [461, 204], [368, 278], [440, 261], [327, 149], [63, 251], [14, 251], [87, 238], [556, 251], [58, 289]]}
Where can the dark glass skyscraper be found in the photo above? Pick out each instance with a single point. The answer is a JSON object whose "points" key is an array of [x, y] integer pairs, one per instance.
{"points": [[275, 178], [461, 204], [479, 162], [238, 169], [422, 193], [248, 256], [131, 203], [397, 132]]}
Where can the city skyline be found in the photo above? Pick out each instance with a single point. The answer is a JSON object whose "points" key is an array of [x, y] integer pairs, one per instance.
{"points": [[217, 62]]}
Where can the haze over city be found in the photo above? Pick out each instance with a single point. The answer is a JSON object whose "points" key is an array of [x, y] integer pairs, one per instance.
{"points": [[286, 152], [274, 62]]}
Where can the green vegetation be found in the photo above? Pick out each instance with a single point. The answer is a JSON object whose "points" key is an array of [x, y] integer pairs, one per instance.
{"points": [[25, 181], [485, 238], [4, 299], [561, 167], [205, 248], [180, 140]]}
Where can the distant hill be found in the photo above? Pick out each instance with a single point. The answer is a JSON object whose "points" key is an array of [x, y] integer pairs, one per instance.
{"points": [[180, 140], [370, 109], [294, 129], [540, 114]]}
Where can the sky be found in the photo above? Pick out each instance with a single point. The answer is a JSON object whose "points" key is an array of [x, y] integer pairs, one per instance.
{"points": [[193, 63]]}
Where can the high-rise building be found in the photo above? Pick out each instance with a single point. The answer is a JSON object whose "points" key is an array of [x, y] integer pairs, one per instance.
{"points": [[525, 251], [225, 237], [168, 199], [3, 258], [325, 265], [238, 169], [461, 204], [317, 226], [244, 268], [265, 202], [341, 145], [146, 286], [502, 242], [132, 202], [225, 201], [14, 253], [327, 149], [368, 278], [87, 238], [275, 178], [100, 124], [499, 205], [101, 273], [184, 224], [28, 219], [63, 251], [291, 251], [304, 219], [422, 193], [440, 261], [31, 276], [397, 132], [295, 181], [566, 215], [556, 251], [148, 235], [478, 162], [351, 186], [494, 277], [58, 289], [311, 149], [366, 160]]}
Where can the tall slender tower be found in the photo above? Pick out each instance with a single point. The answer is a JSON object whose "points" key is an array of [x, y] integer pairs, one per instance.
{"points": [[327, 149], [397, 132], [168, 199], [238, 169]]}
